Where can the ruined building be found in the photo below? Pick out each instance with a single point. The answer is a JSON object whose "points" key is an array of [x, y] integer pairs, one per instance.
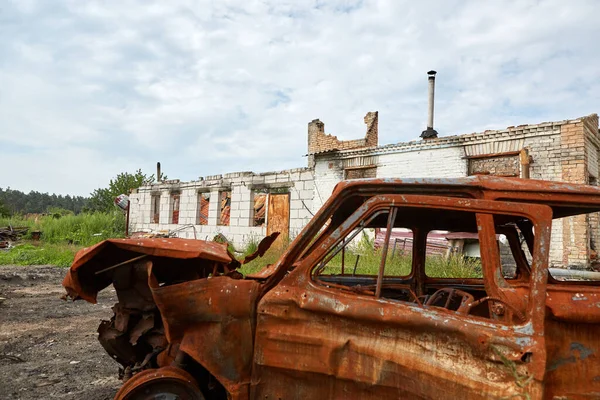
{"points": [[246, 205]]}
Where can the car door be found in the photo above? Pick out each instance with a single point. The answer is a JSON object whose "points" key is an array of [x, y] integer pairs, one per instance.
{"points": [[322, 339]]}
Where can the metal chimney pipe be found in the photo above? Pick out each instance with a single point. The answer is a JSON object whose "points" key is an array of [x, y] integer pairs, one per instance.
{"points": [[431, 97], [158, 177], [430, 133]]}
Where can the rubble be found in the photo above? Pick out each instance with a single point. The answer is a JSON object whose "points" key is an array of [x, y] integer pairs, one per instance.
{"points": [[12, 234]]}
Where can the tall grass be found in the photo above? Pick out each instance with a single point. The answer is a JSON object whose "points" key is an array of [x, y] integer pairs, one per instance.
{"points": [[270, 257], [362, 259], [81, 229], [61, 237]]}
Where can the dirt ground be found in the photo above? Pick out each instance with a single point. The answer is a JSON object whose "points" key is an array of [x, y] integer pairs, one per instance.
{"points": [[48, 347]]}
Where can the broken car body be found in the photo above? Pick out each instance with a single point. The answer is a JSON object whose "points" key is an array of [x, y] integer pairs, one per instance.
{"points": [[332, 320]]}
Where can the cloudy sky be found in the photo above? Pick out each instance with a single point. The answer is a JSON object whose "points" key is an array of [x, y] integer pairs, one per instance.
{"points": [[89, 89]]}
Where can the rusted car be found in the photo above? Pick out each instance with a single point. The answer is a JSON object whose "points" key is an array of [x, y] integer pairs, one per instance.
{"points": [[333, 318]]}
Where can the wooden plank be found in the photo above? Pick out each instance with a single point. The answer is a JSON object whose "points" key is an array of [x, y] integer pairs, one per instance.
{"points": [[278, 219]]}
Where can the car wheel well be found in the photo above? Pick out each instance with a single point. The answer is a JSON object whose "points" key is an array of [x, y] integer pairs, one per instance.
{"points": [[210, 386]]}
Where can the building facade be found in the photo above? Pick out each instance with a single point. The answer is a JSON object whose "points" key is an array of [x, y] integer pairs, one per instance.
{"points": [[245, 205]]}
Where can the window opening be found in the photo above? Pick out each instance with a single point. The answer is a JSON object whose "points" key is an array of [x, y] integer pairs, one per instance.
{"points": [[452, 254], [575, 249], [203, 207], [451, 259], [225, 207], [155, 206], [259, 209], [356, 262], [175, 208]]}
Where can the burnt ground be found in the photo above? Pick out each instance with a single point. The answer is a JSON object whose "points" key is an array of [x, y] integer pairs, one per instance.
{"points": [[49, 347]]}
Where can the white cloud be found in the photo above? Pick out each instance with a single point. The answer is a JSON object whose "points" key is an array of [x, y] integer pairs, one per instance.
{"points": [[89, 89]]}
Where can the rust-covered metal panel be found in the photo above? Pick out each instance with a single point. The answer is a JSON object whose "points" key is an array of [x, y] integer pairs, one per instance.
{"points": [[82, 281], [338, 346], [185, 311], [213, 322], [337, 343]]}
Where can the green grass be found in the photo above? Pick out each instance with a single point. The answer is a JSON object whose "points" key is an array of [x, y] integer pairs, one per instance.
{"points": [[60, 255], [61, 237], [270, 257], [81, 229], [369, 260], [400, 265]]}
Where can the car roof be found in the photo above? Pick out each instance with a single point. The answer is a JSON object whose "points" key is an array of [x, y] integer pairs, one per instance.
{"points": [[564, 198]]}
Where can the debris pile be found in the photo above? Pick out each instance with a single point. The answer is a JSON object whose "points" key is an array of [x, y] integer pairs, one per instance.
{"points": [[11, 234]]}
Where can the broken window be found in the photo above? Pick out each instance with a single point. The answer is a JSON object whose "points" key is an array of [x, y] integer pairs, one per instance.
{"points": [[359, 258], [203, 206], [380, 257], [225, 207], [360, 254], [575, 248], [175, 208], [259, 209], [155, 208]]}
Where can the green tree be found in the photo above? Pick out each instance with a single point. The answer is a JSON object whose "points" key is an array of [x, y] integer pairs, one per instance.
{"points": [[102, 199], [35, 202], [4, 211]]}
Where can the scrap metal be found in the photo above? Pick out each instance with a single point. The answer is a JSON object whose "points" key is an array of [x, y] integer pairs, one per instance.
{"points": [[189, 324]]}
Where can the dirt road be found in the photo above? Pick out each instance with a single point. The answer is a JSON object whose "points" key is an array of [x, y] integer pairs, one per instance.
{"points": [[48, 347]]}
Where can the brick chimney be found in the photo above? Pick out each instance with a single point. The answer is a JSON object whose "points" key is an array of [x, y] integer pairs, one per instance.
{"points": [[372, 121], [316, 128]]}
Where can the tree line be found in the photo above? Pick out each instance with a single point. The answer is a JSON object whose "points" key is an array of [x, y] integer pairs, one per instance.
{"points": [[100, 200], [16, 202]]}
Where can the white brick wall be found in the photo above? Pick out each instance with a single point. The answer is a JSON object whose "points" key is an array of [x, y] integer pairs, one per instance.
{"points": [[299, 182], [434, 163], [328, 173]]}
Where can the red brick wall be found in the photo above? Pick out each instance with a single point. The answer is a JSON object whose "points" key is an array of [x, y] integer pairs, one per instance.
{"points": [[319, 141]]}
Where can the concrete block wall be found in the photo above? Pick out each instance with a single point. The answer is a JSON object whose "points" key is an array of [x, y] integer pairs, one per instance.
{"points": [[328, 172], [298, 182], [301, 200], [429, 163]]}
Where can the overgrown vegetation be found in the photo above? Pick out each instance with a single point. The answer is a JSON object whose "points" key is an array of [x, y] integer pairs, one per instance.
{"points": [[363, 259], [369, 260], [60, 255], [84, 229], [102, 199], [66, 223], [61, 237], [4, 211]]}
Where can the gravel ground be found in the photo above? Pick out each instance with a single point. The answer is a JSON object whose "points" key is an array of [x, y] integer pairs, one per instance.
{"points": [[49, 347]]}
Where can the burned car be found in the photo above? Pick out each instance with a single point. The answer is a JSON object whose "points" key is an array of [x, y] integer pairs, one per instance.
{"points": [[337, 317]]}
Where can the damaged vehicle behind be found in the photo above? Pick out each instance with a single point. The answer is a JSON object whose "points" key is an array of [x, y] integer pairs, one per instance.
{"points": [[342, 316]]}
